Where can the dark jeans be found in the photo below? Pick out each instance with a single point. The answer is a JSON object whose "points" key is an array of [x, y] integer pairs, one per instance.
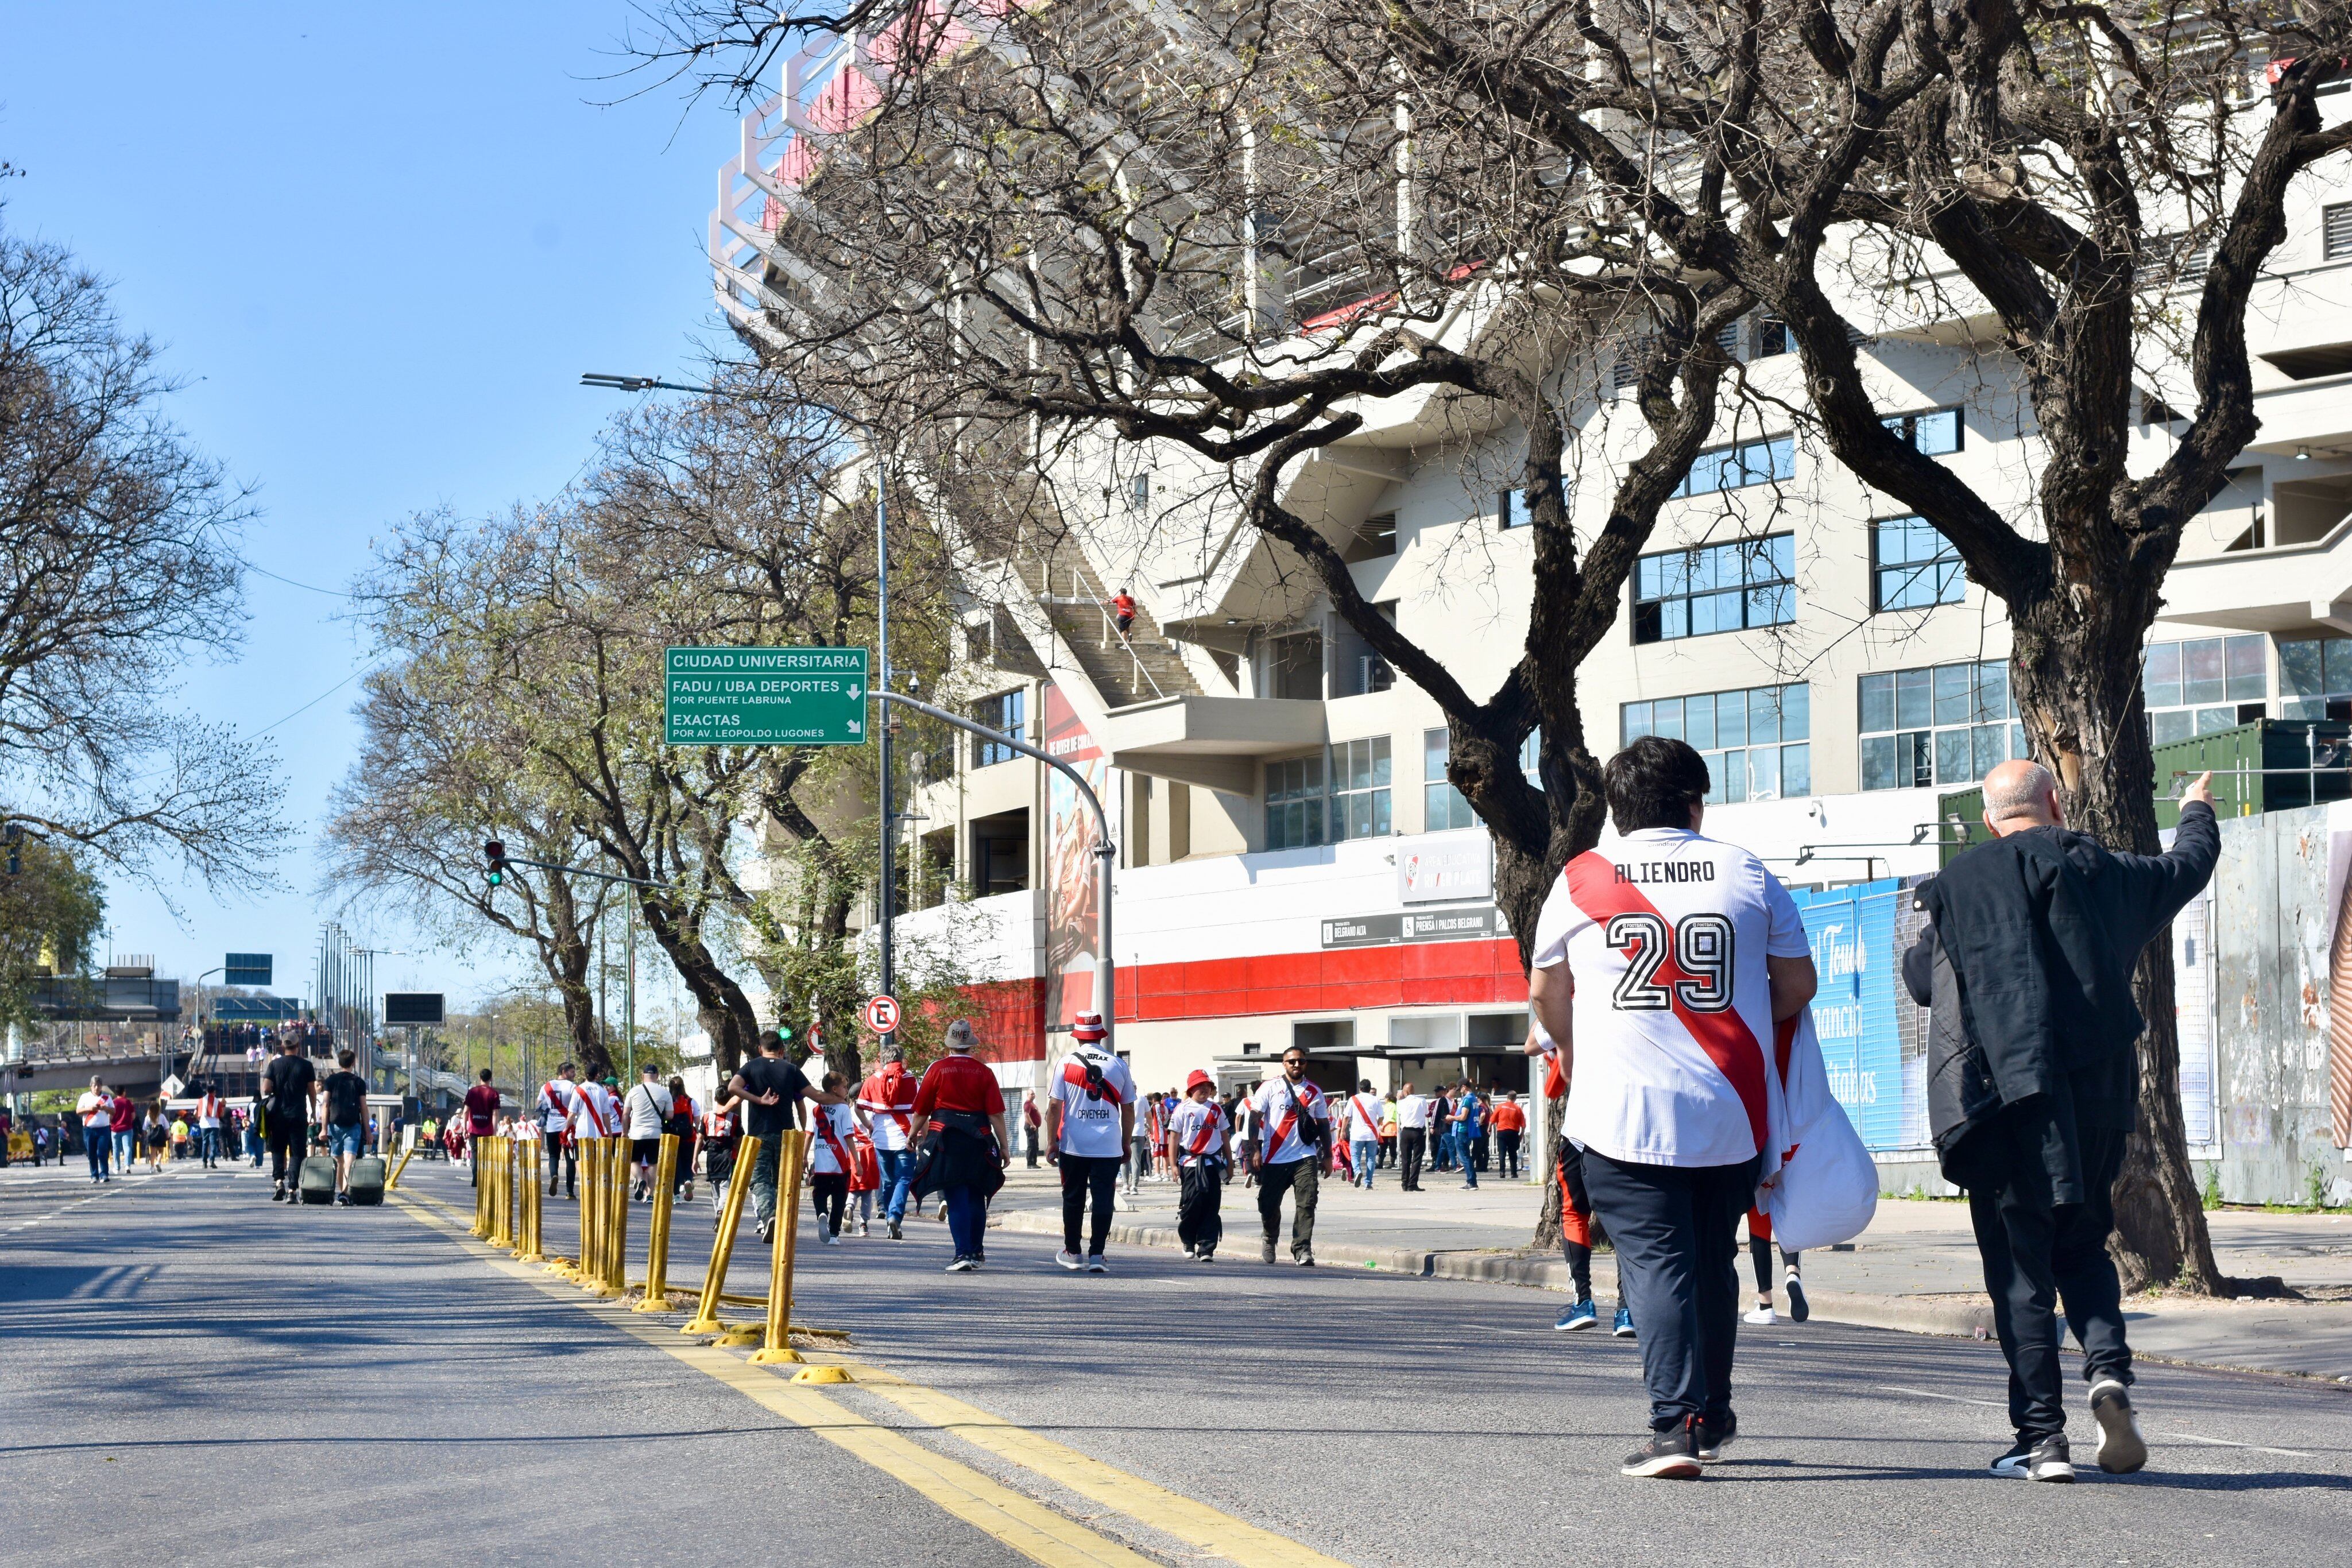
{"points": [[96, 1146], [2038, 1253], [568, 1158], [1029, 1142], [967, 1218], [828, 1196], [896, 1167], [1676, 1229], [1507, 1152], [1198, 1223], [1301, 1179], [288, 1137], [1413, 1144], [1083, 1175]]}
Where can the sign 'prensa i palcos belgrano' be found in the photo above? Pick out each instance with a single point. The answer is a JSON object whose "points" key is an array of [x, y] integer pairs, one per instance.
{"points": [[764, 696]]}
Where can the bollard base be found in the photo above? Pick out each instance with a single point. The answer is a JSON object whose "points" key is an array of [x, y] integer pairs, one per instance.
{"points": [[703, 1325], [778, 1357], [603, 1291], [737, 1338], [821, 1375], [654, 1304], [531, 1258]]}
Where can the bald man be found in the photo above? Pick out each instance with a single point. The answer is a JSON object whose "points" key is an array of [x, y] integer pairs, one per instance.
{"points": [[2033, 1083]]}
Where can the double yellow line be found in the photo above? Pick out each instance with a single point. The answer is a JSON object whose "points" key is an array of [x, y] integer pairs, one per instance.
{"points": [[1020, 1522]]}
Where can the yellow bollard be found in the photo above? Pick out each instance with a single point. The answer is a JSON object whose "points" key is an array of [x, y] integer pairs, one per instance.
{"points": [[612, 1219], [592, 1213], [501, 1195], [527, 1250], [722, 1246], [617, 1279], [406, 1155], [481, 1189], [657, 1235], [789, 1165]]}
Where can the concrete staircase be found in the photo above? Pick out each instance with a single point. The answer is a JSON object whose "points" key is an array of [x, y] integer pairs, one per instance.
{"points": [[1142, 667]]}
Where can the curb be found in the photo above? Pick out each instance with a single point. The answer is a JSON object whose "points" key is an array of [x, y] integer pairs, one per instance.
{"points": [[1953, 1317]]}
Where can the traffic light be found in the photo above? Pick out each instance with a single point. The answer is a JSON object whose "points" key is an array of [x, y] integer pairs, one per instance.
{"points": [[495, 853]]}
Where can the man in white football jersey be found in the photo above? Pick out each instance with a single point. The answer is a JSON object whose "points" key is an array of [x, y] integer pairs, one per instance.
{"points": [[1087, 1125], [555, 1113], [1660, 967], [1297, 1122]]}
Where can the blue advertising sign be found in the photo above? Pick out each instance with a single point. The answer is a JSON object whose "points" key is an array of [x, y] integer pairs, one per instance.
{"points": [[1851, 930]]}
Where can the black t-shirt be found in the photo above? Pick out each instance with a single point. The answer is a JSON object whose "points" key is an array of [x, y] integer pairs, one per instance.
{"points": [[766, 1074], [289, 1080], [346, 1099]]}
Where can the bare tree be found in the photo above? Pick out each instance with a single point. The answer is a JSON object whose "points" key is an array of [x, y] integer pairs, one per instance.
{"points": [[116, 564]]}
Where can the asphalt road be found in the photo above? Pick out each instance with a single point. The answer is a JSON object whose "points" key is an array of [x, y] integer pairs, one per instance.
{"points": [[210, 1377]]}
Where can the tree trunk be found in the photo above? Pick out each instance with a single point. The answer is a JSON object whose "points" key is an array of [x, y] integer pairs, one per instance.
{"points": [[2077, 659]]}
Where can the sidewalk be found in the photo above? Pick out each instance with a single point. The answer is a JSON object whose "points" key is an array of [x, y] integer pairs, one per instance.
{"points": [[1914, 1269]]}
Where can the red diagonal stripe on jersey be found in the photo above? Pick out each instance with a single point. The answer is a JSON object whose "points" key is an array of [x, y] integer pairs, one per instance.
{"points": [[1726, 1038]]}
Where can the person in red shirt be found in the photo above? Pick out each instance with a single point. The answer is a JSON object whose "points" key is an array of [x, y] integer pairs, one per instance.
{"points": [[961, 1109], [1123, 607], [1510, 1126], [122, 1124], [481, 1117]]}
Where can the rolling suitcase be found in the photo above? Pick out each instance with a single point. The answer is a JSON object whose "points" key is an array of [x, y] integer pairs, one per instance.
{"points": [[366, 1183], [318, 1179]]}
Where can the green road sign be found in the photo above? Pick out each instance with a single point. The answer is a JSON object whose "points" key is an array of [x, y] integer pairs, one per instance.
{"points": [[764, 696]]}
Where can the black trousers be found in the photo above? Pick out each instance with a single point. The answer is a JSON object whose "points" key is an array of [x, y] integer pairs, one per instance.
{"points": [[1507, 1151], [560, 1153], [289, 1140], [1198, 1223], [1303, 1180], [1413, 1147], [1676, 1230], [828, 1197], [2037, 1253], [1085, 1176]]}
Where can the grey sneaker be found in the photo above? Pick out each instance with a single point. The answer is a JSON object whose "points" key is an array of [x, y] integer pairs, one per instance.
{"points": [[1266, 1250], [2121, 1449]]}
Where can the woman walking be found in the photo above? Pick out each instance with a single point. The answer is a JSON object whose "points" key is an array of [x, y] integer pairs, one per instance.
{"points": [[962, 1109]]}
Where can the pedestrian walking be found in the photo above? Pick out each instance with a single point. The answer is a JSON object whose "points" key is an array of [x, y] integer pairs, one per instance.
{"points": [[1673, 1100], [1089, 1120], [647, 1111], [344, 1095], [684, 1121], [554, 1111], [124, 1130], [595, 1114], [1033, 1121], [1364, 1119], [2025, 966], [212, 1111], [771, 1090], [155, 1136], [830, 1163], [1297, 1122], [288, 1085], [1510, 1124], [481, 1119], [1413, 1136], [1760, 1257], [887, 1098], [965, 1149], [1388, 1129], [1469, 1131], [1122, 610], [95, 1109], [1244, 1114], [1197, 1148], [722, 1125]]}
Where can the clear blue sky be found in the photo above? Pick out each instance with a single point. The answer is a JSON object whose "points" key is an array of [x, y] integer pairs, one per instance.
{"points": [[380, 243]]}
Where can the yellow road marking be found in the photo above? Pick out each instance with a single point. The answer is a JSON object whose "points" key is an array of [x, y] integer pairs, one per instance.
{"points": [[1029, 1527], [1186, 1519]]}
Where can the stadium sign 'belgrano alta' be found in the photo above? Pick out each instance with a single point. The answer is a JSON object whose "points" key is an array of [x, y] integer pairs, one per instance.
{"points": [[764, 696]]}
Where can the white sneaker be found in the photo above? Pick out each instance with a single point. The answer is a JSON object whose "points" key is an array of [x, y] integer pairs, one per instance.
{"points": [[861, 1227], [1069, 1260], [1760, 1316]]}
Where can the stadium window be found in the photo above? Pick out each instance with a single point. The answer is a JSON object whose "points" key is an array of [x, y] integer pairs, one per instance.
{"points": [[1734, 586], [1359, 788], [1442, 805], [2201, 684], [1912, 566], [1294, 803], [1005, 713], [1756, 740], [1940, 724], [1934, 433], [1735, 467]]}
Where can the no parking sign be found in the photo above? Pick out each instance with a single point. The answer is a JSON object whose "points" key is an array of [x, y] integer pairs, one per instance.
{"points": [[882, 1014]]}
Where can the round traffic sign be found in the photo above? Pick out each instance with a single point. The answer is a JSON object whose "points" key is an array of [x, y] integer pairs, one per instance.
{"points": [[882, 1014]]}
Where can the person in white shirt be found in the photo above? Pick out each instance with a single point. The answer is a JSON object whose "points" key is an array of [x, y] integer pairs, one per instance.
{"points": [[95, 1109], [1412, 1137], [831, 1159], [554, 1118], [595, 1111], [1088, 1123], [210, 1111], [1363, 1118], [1197, 1141], [1295, 1120], [1660, 967], [647, 1109]]}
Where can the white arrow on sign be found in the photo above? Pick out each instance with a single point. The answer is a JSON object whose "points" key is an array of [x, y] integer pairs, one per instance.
{"points": [[882, 1014]]}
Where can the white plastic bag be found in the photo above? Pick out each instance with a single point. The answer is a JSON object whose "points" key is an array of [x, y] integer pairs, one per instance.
{"points": [[1828, 1188]]}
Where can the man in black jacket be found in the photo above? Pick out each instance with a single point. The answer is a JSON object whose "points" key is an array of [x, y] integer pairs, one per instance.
{"points": [[2033, 1083]]}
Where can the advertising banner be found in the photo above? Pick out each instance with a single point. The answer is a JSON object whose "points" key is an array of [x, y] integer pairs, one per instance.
{"points": [[1851, 930], [1070, 956]]}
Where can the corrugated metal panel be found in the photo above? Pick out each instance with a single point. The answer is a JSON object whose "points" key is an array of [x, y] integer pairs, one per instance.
{"points": [[2192, 982]]}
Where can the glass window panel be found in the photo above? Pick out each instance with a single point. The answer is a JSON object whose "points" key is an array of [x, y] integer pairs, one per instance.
{"points": [[1731, 721], [1989, 744], [1763, 714], [1531, 754], [1913, 709], [1955, 694], [1952, 757], [1993, 690], [2018, 750], [1878, 762], [1915, 760], [1648, 580], [2338, 664], [2209, 719], [1796, 770], [1382, 759], [1775, 606], [2172, 724], [2249, 678], [1796, 711], [1938, 434], [2200, 671], [1731, 777], [1698, 722], [2301, 669], [2160, 674], [1433, 754], [1673, 619], [1381, 823], [1763, 772], [1780, 550], [1877, 703], [1437, 811], [1667, 719]]}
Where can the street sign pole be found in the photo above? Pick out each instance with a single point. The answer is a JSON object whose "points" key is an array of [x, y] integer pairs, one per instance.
{"points": [[887, 899]]}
